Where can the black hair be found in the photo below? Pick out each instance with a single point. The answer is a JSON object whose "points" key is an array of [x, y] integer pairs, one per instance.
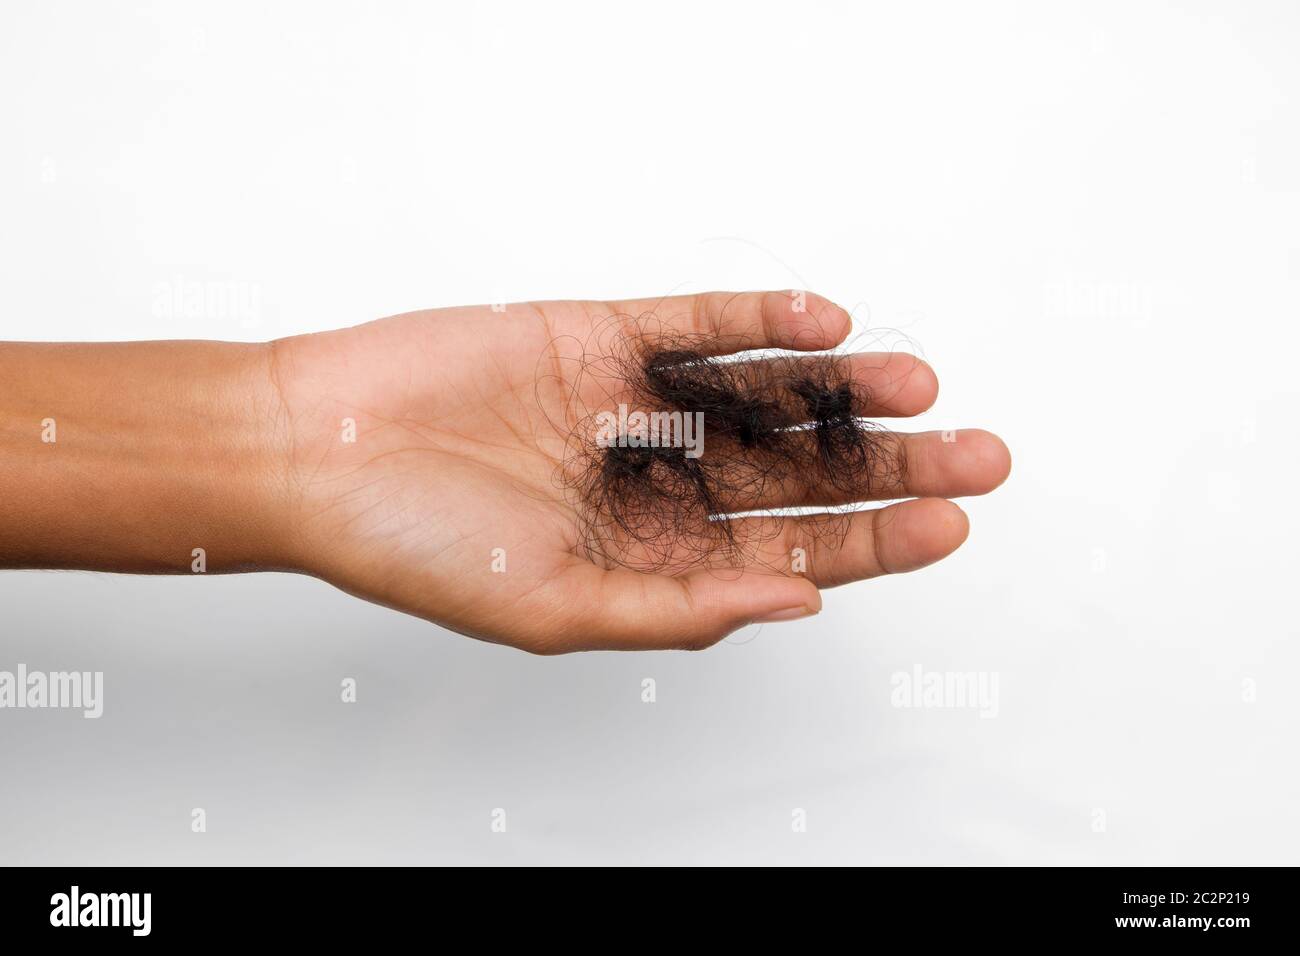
{"points": [[787, 429]]}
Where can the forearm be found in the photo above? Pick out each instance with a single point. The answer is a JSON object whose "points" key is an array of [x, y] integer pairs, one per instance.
{"points": [[130, 456]]}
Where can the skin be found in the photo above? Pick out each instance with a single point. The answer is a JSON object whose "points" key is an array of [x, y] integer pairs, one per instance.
{"points": [[165, 447]]}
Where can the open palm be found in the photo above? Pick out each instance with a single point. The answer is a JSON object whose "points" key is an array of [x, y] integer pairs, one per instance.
{"points": [[423, 457]]}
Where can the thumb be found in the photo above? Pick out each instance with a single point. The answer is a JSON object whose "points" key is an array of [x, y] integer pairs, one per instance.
{"points": [[629, 610]]}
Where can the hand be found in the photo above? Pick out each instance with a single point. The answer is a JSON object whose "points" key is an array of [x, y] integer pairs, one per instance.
{"points": [[446, 505]]}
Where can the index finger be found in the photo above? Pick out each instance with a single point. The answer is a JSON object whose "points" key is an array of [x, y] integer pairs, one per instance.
{"points": [[729, 322]]}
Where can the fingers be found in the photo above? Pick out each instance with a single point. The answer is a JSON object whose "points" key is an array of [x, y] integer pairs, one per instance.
{"points": [[864, 544], [626, 610], [730, 322], [895, 384], [953, 464]]}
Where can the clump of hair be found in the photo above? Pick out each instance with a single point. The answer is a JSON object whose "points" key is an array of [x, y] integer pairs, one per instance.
{"points": [[847, 453], [787, 429]]}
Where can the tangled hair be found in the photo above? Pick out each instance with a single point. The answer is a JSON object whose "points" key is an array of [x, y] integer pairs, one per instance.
{"points": [[776, 432]]}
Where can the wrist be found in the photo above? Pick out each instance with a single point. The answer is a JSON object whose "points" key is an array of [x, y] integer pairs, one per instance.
{"points": [[144, 457]]}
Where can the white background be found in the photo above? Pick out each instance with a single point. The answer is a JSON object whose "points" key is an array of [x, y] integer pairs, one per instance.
{"points": [[1084, 215]]}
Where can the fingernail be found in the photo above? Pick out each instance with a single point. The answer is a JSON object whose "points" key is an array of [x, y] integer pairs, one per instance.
{"points": [[785, 614]]}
